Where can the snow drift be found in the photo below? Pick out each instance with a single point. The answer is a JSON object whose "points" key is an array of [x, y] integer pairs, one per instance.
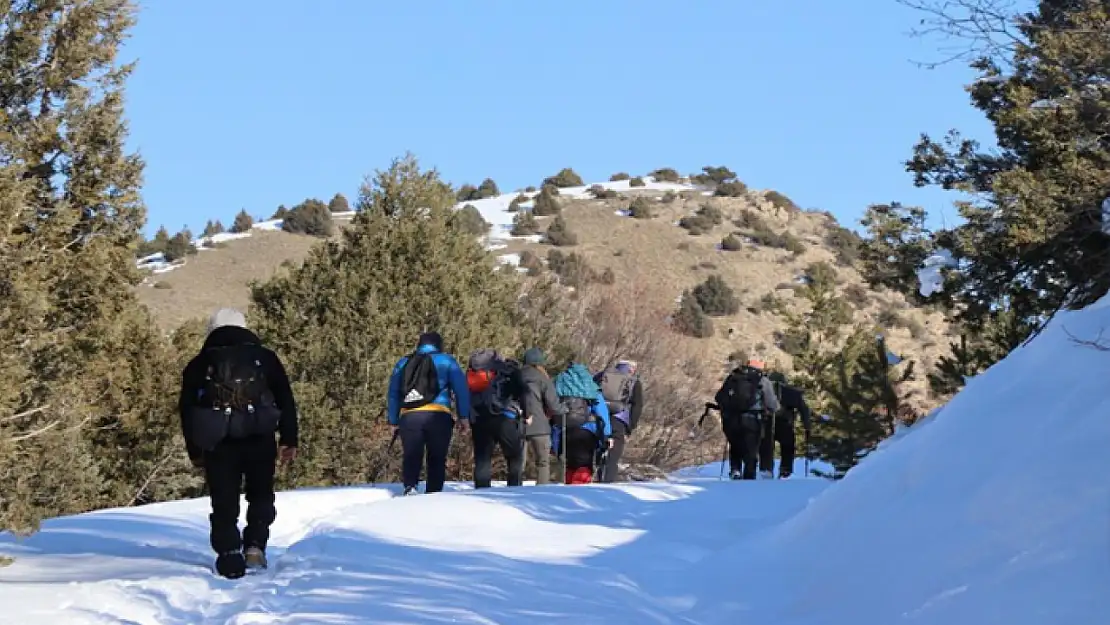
{"points": [[994, 510]]}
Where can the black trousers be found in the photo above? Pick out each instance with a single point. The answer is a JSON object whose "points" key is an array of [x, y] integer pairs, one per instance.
{"points": [[581, 448], [620, 434], [783, 434], [225, 468], [743, 434], [505, 433], [425, 434]]}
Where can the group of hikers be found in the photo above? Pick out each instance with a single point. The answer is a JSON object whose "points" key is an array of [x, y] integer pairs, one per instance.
{"points": [[235, 395]]}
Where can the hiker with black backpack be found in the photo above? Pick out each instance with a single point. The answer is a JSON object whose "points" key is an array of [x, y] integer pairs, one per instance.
{"points": [[419, 408], [496, 417], [624, 397], [586, 428], [780, 428], [235, 395], [744, 399], [541, 408]]}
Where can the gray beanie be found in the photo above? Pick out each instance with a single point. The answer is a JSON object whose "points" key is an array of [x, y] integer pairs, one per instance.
{"points": [[226, 317], [535, 357]]}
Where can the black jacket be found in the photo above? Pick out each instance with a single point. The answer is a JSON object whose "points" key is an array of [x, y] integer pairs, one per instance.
{"points": [[192, 381], [635, 405], [793, 402]]}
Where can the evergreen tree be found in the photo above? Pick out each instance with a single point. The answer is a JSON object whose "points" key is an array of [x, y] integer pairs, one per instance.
{"points": [[212, 228], [546, 203], [896, 245], [243, 222], [524, 224], [311, 217], [690, 319], [179, 247], [559, 234], [566, 177], [86, 383], [716, 297], [339, 204], [470, 220], [488, 188], [359, 304]]}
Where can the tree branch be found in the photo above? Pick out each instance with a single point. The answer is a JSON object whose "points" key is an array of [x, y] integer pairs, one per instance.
{"points": [[1096, 343]]}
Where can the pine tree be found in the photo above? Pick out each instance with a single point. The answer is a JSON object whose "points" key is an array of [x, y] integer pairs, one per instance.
{"points": [[896, 245], [243, 222], [488, 188], [360, 303], [86, 382], [212, 228], [339, 204]]}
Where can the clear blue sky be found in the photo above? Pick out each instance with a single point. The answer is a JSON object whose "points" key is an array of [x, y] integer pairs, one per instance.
{"points": [[252, 104]]}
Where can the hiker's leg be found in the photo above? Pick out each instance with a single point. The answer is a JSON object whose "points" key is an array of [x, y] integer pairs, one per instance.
{"points": [[510, 439], [767, 446], [221, 472], [785, 433], [259, 458], [734, 434], [751, 427], [437, 433], [609, 471], [482, 435], [581, 446], [540, 448], [412, 447]]}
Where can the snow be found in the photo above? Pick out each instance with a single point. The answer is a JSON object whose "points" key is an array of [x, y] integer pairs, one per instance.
{"points": [[929, 277]]}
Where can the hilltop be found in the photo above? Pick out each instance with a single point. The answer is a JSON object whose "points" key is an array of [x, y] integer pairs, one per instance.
{"points": [[660, 235]]}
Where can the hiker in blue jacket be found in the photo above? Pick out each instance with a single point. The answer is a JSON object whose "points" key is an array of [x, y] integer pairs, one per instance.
{"points": [[586, 408], [419, 407]]}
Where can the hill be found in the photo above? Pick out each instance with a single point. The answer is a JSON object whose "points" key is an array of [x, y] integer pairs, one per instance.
{"points": [[676, 236], [924, 530]]}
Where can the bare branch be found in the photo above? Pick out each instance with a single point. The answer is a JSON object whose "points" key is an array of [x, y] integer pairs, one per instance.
{"points": [[34, 433], [1095, 343], [25, 413]]}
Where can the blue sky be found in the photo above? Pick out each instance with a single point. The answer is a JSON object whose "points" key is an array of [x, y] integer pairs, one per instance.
{"points": [[252, 104]]}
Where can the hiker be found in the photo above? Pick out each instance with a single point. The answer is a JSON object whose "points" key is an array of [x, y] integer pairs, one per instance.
{"points": [[235, 395], [743, 399], [578, 433], [541, 408], [624, 397], [780, 428], [419, 408], [496, 417]]}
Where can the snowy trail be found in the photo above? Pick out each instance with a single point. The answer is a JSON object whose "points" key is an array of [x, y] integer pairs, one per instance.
{"points": [[594, 554]]}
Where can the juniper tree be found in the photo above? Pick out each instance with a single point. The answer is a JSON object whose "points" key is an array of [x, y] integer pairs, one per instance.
{"points": [[85, 387], [895, 247], [243, 222], [339, 204], [358, 303]]}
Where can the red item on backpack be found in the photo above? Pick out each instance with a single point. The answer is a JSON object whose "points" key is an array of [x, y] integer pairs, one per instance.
{"points": [[478, 381]]}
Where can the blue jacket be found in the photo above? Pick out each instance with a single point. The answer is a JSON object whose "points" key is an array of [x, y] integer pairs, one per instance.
{"points": [[601, 411], [452, 381]]}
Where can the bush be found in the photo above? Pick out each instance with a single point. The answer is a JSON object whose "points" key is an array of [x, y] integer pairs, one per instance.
{"points": [[640, 208], [691, 320], [467, 193], [524, 224], [781, 201], [665, 174], [733, 188], [705, 219], [669, 197], [572, 268], [531, 262], [559, 234], [601, 193], [530, 189], [212, 228], [242, 223], [469, 220], [565, 178], [310, 217], [607, 276], [785, 241], [488, 188], [768, 303], [844, 243], [514, 206], [749, 220], [339, 204], [857, 296], [546, 204], [179, 246], [716, 297], [163, 285], [619, 176], [713, 175], [636, 182], [731, 243], [280, 213]]}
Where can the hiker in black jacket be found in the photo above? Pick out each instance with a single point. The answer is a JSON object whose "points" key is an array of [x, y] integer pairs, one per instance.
{"points": [[624, 394], [235, 395], [781, 428], [744, 399]]}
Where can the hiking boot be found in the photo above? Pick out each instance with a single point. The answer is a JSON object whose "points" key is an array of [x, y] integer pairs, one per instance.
{"points": [[735, 475], [231, 565], [410, 490], [255, 558], [766, 475], [785, 476]]}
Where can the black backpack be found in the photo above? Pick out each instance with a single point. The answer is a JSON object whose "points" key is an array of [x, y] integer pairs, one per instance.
{"points": [[739, 392], [419, 381], [235, 380], [504, 391], [579, 411]]}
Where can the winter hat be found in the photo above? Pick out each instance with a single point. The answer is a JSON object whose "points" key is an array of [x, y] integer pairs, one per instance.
{"points": [[626, 366], [226, 317], [431, 338], [535, 357]]}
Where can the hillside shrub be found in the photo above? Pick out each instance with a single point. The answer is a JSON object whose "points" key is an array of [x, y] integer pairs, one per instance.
{"points": [[713, 175], [212, 228], [750, 220], [339, 204], [666, 174], [310, 217], [280, 213], [636, 182], [572, 268], [601, 193], [640, 208], [705, 219], [550, 189], [565, 178], [531, 262], [619, 176], [179, 246], [514, 205], [690, 319], [243, 222], [716, 297], [546, 204], [559, 234], [607, 277], [857, 296], [844, 243], [731, 243], [471, 193], [469, 220], [781, 201], [669, 197], [524, 224], [732, 188], [530, 189]]}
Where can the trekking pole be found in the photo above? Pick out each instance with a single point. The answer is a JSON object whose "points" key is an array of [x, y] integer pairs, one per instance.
{"points": [[724, 459]]}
